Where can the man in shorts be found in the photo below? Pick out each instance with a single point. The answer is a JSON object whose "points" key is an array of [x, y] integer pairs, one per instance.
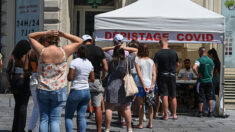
{"points": [[203, 68], [166, 61], [97, 58]]}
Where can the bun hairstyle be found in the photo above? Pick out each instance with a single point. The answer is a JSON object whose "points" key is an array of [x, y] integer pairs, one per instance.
{"points": [[134, 43]]}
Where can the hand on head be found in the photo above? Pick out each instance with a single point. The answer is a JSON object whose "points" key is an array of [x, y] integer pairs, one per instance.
{"points": [[53, 33]]}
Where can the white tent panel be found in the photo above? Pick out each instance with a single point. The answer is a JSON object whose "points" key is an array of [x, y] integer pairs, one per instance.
{"points": [[161, 15]]}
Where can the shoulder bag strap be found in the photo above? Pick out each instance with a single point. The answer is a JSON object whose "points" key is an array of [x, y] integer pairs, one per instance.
{"points": [[127, 67]]}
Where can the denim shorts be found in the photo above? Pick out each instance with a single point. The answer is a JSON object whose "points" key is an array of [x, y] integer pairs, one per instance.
{"points": [[142, 93]]}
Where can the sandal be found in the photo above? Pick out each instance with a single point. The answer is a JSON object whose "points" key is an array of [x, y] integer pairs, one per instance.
{"points": [[175, 117], [138, 127], [148, 126], [164, 118]]}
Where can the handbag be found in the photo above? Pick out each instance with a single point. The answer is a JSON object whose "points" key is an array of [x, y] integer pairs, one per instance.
{"points": [[150, 99], [129, 84]]}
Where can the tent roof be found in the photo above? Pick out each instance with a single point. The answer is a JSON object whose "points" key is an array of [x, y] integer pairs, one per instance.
{"points": [[161, 15]]}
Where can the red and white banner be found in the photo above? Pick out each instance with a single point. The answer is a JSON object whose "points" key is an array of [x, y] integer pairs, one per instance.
{"points": [[153, 37]]}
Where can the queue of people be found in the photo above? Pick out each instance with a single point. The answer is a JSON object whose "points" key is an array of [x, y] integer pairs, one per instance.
{"points": [[42, 71]]}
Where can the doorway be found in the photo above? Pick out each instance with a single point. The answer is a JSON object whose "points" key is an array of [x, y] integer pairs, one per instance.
{"points": [[83, 17]]}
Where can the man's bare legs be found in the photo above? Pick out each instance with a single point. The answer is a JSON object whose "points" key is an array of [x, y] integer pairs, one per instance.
{"points": [[165, 106], [157, 105], [98, 118], [102, 104], [173, 106], [210, 106]]}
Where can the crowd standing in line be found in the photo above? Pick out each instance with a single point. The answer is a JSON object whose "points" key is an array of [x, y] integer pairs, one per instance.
{"points": [[43, 70]]}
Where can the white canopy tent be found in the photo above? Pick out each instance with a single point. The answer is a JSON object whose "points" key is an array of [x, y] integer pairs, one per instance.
{"points": [[179, 21]]}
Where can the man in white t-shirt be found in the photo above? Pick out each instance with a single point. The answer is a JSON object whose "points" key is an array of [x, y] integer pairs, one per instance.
{"points": [[187, 71]]}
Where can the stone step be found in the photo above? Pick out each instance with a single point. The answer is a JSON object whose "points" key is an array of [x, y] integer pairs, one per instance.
{"points": [[230, 77], [229, 86], [229, 69], [230, 83], [229, 97], [229, 89], [229, 101], [230, 94]]}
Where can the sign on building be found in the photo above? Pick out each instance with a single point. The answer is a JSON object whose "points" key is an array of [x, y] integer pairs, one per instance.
{"points": [[27, 18], [228, 10]]}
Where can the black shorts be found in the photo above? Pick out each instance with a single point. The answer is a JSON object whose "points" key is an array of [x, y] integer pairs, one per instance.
{"points": [[205, 90], [166, 85]]}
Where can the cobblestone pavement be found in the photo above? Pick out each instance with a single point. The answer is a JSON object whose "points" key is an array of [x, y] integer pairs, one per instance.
{"points": [[185, 122]]}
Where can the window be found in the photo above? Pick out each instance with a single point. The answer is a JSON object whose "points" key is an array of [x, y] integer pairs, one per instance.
{"points": [[228, 46]]}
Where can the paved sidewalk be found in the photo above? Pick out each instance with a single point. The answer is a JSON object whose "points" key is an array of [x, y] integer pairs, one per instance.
{"points": [[185, 123]]}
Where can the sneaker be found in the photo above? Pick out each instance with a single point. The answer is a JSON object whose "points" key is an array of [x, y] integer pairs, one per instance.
{"points": [[144, 118], [130, 130], [107, 130], [136, 119], [199, 114], [210, 114]]}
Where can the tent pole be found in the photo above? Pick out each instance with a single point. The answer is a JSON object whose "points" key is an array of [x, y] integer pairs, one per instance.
{"points": [[223, 68]]}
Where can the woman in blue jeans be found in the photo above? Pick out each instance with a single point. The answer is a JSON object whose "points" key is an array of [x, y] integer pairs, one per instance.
{"points": [[52, 75], [80, 70]]}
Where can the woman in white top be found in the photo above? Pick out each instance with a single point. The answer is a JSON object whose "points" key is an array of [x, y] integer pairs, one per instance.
{"points": [[80, 70], [146, 71]]}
